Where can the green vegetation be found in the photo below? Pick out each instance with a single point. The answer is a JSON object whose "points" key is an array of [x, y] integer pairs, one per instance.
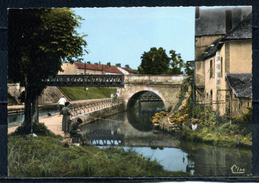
{"points": [[46, 156], [41, 39], [211, 128], [156, 61], [79, 93], [214, 129]]}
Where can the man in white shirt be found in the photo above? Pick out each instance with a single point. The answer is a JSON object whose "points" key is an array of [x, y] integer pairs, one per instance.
{"points": [[61, 103]]}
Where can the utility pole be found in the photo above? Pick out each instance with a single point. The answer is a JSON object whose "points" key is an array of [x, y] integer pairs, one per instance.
{"points": [[192, 65], [85, 67]]}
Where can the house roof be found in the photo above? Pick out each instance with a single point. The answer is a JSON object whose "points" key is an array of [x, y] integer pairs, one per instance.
{"points": [[242, 31], [111, 69], [129, 70], [241, 84], [213, 21], [105, 68], [88, 66]]}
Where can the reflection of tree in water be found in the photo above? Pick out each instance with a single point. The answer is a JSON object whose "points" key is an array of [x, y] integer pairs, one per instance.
{"points": [[212, 160], [140, 119], [141, 124]]}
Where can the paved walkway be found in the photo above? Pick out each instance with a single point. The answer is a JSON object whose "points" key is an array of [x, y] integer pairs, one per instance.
{"points": [[52, 122]]}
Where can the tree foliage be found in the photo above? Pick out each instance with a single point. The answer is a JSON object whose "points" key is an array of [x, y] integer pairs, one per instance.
{"points": [[176, 63], [156, 61], [39, 41]]}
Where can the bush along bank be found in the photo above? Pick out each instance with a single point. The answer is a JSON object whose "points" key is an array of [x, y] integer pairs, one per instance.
{"points": [[46, 156], [208, 127]]}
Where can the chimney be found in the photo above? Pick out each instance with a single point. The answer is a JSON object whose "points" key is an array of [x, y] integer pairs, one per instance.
{"points": [[197, 12], [228, 20]]}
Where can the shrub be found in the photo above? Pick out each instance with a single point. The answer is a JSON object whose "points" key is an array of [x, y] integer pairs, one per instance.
{"points": [[155, 120], [37, 128], [163, 113], [224, 126]]}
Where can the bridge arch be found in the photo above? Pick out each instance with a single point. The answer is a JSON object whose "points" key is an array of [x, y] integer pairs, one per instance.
{"points": [[166, 87], [134, 97]]}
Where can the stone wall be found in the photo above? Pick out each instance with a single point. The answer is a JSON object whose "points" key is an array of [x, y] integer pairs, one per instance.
{"points": [[166, 87], [14, 91], [51, 94], [102, 113], [169, 93]]}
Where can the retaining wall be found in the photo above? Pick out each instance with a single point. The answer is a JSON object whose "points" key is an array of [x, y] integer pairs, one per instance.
{"points": [[101, 113]]}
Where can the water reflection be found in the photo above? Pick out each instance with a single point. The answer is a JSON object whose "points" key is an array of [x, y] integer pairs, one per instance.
{"points": [[208, 160], [134, 130], [18, 117], [140, 118]]}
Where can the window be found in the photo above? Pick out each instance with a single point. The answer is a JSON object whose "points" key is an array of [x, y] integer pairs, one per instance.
{"points": [[211, 68]]}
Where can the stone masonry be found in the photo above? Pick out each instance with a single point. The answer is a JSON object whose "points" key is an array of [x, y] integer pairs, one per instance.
{"points": [[166, 87]]}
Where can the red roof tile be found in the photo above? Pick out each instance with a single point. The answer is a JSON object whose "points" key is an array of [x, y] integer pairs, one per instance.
{"points": [[112, 69], [105, 68], [129, 70], [88, 66]]}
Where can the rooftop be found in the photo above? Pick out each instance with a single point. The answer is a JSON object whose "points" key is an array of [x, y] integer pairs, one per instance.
{"points": [[243, 30], [241, 84], [213, 21]]}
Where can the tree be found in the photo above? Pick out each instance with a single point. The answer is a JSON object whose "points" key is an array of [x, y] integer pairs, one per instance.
{"points": [[176, 63], [39, 40], [155, 61]]}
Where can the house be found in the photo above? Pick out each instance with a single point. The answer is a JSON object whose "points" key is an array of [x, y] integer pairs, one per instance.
{"points": [[127, 71], [223, 51], [82, 68]]}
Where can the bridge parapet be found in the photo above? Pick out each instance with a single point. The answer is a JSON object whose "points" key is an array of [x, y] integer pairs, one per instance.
{"points": [[154, 79]]}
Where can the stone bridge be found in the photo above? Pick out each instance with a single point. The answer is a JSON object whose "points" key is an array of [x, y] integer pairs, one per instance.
{"points": [[166, 87]]}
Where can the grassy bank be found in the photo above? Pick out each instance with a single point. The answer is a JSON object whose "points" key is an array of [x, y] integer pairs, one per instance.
{"points": [[79, 93], [47, 156], [211, 128], [214, 129]]}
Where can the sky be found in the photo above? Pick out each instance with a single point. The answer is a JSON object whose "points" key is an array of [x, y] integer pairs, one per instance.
{"points": [[122, 35]]}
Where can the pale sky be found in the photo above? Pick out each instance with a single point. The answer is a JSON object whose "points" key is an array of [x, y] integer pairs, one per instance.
{"points": [[122, 35]]}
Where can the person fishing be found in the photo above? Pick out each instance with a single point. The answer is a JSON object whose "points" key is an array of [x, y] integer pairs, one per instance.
{"points": [[75, 132]]}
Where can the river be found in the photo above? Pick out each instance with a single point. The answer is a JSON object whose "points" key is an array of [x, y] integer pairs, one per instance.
{"points": [[134, 130]]}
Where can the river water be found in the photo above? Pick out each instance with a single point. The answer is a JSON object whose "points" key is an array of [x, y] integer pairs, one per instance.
{"points": [[19, 117], [134, 130]]}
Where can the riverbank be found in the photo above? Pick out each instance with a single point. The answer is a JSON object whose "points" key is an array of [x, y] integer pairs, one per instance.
{"points": [[54, 121], [46, 156], [228, 133]]}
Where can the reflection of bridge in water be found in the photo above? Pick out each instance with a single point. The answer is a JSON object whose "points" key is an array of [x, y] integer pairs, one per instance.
{"points": [[106, 136], [110, 136], [120, 140]]}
